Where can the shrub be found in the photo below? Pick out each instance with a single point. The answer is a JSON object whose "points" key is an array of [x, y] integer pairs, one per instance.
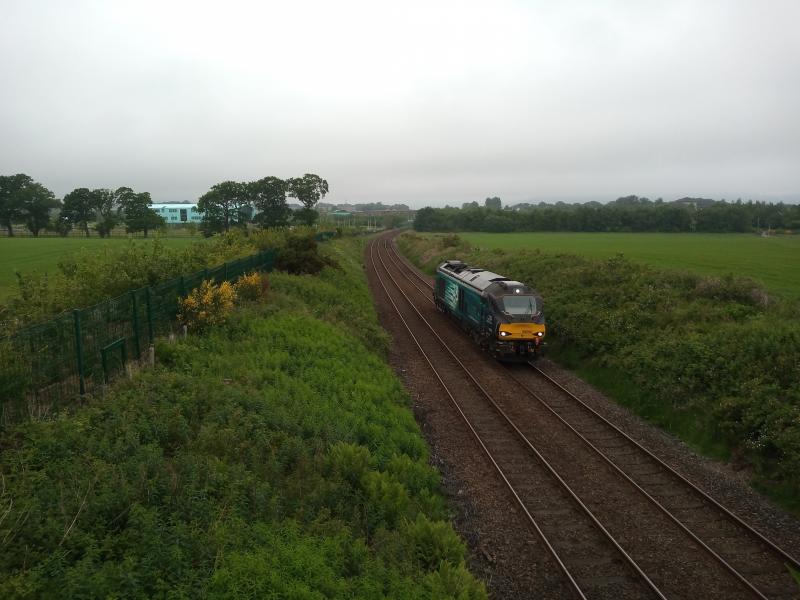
{"points": [[207, 305], [251, 287], [454, 582], [449, 241], [300, 254], [434, 542], [349, 461]]}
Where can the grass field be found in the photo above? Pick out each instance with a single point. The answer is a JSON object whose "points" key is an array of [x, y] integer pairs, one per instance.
{"points": [[774, 261], [42, 254]]}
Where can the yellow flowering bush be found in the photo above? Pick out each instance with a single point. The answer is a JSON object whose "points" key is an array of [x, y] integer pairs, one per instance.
{"points": [[252, 286], [206, 305]]}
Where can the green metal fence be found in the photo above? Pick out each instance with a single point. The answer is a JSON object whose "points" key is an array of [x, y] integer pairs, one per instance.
{"points": [[73, 353]]}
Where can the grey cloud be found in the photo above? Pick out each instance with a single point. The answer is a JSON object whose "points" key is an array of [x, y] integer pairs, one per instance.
{"points": [[419, 103]]}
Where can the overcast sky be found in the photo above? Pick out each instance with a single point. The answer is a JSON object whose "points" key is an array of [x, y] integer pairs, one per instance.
{"points": [[418, 102]]}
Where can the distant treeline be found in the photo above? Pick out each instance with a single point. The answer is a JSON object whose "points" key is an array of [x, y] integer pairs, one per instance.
{"points": [[24, 201], [629, 213], [367, 206]]}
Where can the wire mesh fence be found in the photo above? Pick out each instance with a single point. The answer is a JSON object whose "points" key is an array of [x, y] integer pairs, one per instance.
{"points": [[70, 355]]}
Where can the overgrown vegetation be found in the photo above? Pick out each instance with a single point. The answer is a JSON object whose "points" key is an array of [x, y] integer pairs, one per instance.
{"points": [[86, 277], [713, 359], [274, 456], [211, 304]]}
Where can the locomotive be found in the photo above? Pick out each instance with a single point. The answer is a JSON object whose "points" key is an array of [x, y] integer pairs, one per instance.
{"points": [[504, 316]]}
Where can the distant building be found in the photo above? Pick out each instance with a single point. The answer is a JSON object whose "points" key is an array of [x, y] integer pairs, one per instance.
{"points": [[178, 213]]}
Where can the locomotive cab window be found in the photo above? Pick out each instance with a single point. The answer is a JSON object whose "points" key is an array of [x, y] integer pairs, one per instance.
{"points": [[519, 305]]}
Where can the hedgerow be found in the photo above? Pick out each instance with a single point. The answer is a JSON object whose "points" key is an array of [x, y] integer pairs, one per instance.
{"points": [[273, 456], [715, 360]]}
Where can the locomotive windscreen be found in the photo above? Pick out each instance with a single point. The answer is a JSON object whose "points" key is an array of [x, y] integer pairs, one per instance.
{"points": [[520, 305]]}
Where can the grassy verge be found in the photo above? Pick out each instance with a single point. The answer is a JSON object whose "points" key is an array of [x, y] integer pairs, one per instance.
{"points": [[715, 361], [274, 457]]}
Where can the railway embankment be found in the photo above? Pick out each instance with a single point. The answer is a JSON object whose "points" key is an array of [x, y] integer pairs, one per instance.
{"points": [[713, 360], [275, 455]]}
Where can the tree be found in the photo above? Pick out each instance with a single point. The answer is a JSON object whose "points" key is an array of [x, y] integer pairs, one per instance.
{"points": [[60, 225], [269, 197], [136, 211], [36, 202], [308, 189], [11, 210], [79, 208], [106, 202], [222, 206], [493, 202]]}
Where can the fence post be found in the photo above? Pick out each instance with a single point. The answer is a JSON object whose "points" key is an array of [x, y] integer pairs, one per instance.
{"points": [[182, 288], [149, 314], [205, 273], [79, 350], [135, 308], [225, 272]]}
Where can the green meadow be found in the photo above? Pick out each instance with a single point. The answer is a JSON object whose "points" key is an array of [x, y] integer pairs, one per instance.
{"points": [[41, 255], [773, 261]]}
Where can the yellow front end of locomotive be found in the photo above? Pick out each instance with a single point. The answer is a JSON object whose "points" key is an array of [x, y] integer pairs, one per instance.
{"points": [[521, 331]]}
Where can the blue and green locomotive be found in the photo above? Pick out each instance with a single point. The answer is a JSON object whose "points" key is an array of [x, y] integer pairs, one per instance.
{"points": [[504, 316]]}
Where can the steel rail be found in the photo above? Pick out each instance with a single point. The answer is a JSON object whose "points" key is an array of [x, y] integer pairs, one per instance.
{"points": [[573, 583], [749, 529], [528, 443], [775, 548]]}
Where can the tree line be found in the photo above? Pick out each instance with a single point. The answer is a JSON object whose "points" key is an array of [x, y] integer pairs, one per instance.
{"points": [[262, 202], [227, 204], [28, 202], [626, 214]]}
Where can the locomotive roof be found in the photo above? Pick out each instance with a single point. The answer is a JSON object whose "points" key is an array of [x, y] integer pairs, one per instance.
{"points": [[480, 279]]}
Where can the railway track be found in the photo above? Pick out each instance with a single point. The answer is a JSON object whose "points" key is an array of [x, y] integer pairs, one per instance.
{"points": [[587, 555], [669, 524]]}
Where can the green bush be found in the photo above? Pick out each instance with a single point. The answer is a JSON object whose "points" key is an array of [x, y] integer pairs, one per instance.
{"points": [[434, 542], [300, 254]]}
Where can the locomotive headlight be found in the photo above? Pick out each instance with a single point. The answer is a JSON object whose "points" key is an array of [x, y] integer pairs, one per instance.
{"points": [[504, 333], [540, 333]]}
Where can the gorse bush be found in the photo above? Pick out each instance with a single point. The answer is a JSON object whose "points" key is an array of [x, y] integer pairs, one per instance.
{"points": [[251, 286], [713, 359], [207, 305], [275, 456]]}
